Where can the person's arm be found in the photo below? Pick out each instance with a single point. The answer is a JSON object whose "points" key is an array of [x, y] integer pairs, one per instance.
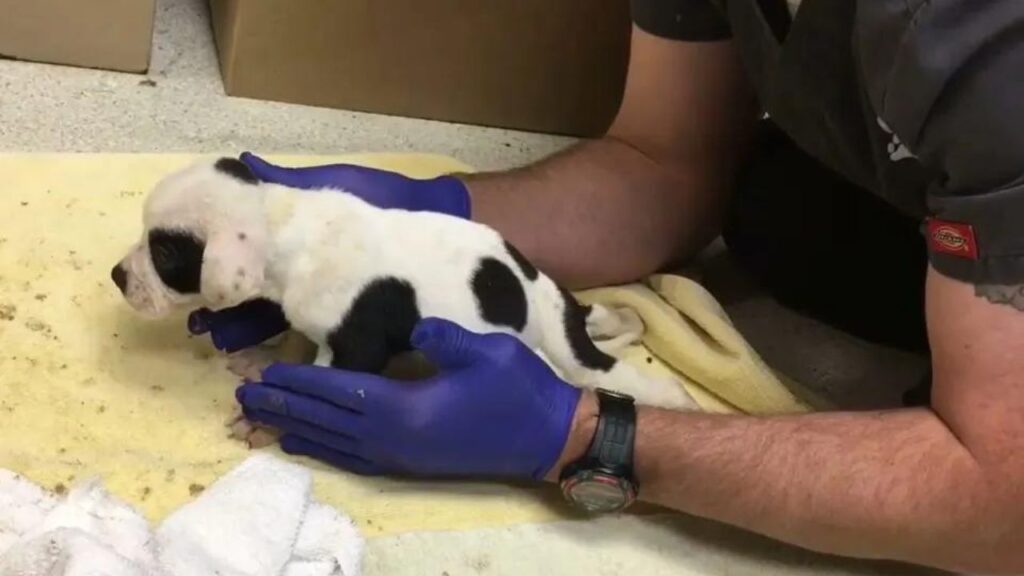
{"points": [[942, 487], [613, 209]]}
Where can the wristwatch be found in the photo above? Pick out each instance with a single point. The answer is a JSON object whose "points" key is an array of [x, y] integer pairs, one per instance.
{"points": [[602, 481]]}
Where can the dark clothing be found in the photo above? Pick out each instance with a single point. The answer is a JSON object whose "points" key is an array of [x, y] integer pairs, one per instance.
{"points": [[830, 250], [917, 101], [827, 248]]}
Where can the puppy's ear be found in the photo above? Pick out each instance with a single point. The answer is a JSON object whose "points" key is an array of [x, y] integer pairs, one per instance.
{"points": [[236, 169], [233, 267]]}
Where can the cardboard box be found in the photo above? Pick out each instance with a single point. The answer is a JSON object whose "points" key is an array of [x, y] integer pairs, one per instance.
{"points": [[109, 34], [539, 65]]}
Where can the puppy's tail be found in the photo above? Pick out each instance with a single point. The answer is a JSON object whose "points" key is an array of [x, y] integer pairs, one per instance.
{"points": [[581, 342]]}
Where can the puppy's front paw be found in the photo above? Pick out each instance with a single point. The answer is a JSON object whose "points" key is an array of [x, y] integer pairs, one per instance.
{"points": [[254, 435], [250, 362]]}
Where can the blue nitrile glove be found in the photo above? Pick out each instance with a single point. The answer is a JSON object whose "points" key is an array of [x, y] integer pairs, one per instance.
{"points": [[444, 194], [238, 327], [494, 409]]}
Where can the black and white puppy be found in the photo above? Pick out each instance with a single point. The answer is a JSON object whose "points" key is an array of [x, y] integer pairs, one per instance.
{"points": [[355, 279]]}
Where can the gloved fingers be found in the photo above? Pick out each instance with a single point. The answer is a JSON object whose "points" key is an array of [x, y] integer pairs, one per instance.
{"points": [[448, 195], [447, 344], [359, 180], [340, 442], [349, 390], [238, 327], [299, 446], [262, 398]]}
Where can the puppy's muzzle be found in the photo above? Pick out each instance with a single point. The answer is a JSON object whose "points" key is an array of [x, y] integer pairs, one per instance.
{"points": [[120, 277]]}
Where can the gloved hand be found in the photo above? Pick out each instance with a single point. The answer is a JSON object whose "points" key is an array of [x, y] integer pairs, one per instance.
{"points": [[238, 327], [444, 194], [494, 409]]}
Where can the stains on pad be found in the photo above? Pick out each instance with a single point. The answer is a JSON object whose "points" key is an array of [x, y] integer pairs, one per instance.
{"points": [[36, 325], [8, 312], [195, 489], [499, 294]]}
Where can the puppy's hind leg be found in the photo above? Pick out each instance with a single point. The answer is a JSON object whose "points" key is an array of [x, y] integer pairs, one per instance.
{"points": [[323, 356], [566, 341], [613, 330]]}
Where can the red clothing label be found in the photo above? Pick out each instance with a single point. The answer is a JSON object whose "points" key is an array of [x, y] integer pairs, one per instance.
{"points": [[952, 238]]}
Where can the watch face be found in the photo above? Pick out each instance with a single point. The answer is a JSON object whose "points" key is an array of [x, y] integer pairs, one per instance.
{"points": [[599, 493]]}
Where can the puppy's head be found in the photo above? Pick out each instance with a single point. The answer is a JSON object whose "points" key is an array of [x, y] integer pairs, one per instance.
{"points": [[203, 242]]}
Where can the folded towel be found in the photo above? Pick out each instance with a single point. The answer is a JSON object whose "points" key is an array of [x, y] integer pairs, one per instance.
{"points": [[259, 519]]}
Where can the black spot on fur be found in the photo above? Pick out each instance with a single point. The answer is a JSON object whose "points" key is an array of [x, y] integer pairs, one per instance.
{"points": [[525, 266], [236, 169], [376, 328], [499, 295], [242, 236], [178, 258], [583, 348]]}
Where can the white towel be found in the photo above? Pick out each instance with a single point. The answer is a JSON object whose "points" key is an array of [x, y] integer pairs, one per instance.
{"points": [[259, 519]]}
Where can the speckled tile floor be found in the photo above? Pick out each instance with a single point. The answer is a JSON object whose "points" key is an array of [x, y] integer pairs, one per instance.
{"points": [[183, 109]]}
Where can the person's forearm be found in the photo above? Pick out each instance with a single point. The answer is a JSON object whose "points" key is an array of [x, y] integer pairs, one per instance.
{"points": [[895, 485], [601, 212]]}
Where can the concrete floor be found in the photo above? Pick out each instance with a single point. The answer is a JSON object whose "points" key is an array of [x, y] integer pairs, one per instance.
{"points": [[55, 108]]}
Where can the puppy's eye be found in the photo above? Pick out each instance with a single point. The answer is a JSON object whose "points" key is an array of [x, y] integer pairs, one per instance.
{"points": [[178, 259]]}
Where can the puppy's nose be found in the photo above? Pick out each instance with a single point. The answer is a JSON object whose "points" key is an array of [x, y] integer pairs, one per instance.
{"points": [[120, 277]]}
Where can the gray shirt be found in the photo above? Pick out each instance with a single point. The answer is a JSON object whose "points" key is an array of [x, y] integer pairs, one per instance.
{"points": [[918, 101]]}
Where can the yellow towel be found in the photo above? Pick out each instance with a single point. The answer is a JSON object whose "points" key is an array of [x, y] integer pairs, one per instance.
{"points": [[87, 389], [689, 336]]}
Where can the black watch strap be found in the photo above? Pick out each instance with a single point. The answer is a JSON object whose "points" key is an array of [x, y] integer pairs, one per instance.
{"points": [[610, 452], [612, 445]]}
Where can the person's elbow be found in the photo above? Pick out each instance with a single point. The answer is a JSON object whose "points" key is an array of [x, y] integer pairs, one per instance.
{"points": [[1000, 550], [984, 506]]}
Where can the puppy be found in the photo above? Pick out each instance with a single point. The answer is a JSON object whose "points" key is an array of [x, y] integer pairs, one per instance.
{"points": [[355, 279]]}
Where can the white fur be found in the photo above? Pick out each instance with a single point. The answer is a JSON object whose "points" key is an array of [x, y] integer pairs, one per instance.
{"points": [[314, 252]]}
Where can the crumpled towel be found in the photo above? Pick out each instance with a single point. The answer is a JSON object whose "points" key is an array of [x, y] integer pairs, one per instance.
{"points": [[688, 335], [259, 519]]}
